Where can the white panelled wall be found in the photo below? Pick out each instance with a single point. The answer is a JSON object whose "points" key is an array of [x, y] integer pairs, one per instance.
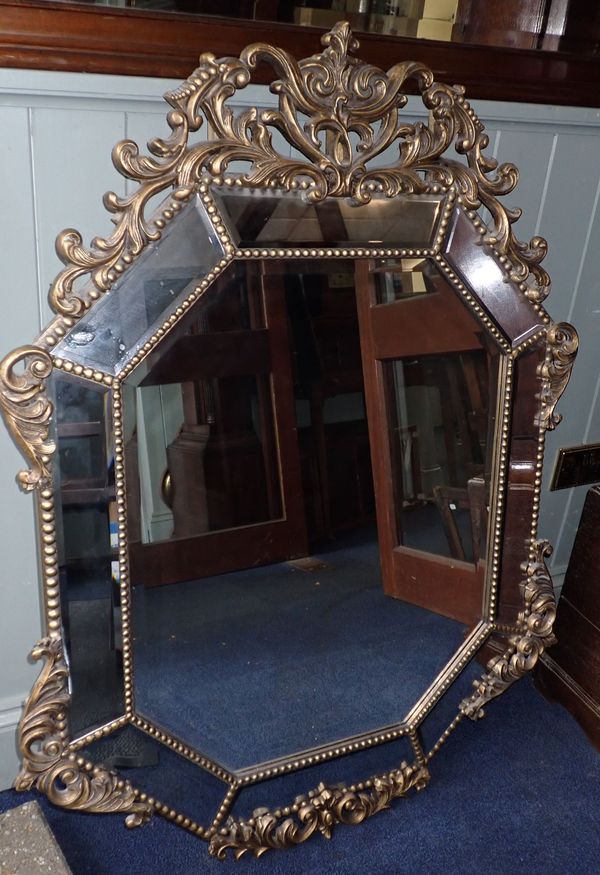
{"points": [[58, 130]]}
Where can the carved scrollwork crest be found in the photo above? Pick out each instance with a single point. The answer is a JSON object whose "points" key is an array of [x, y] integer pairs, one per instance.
{"points": [[534, 635], [338, 114], [317, 812], [27, 410], [556, 370], [47, 764]]}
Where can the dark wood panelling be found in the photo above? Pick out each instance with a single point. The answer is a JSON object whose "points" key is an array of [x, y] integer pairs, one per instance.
{"points": [[500, 22], [512, 312], [520, 491], [570, 672], [56, 36]]}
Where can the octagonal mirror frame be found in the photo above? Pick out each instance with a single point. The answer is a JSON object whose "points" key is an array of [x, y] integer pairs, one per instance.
{"points": [[338, 115]]}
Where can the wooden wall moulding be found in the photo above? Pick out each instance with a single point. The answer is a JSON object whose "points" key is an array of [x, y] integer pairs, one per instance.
{"points": [[99, 39]]}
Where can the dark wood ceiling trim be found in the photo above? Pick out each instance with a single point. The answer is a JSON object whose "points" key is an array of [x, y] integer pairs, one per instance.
{"points": [[100, 39]]}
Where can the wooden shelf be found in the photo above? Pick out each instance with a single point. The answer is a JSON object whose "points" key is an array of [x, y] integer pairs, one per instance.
{"points": [[100, 39]]}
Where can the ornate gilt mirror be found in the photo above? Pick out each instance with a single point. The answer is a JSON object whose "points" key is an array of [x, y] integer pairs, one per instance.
{"points": [[285, 434]]}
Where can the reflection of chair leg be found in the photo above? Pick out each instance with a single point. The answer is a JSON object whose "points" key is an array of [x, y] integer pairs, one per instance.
{"points": [[444, 497], [451, 409], [479, 513], [411, 464], [473, 499]]}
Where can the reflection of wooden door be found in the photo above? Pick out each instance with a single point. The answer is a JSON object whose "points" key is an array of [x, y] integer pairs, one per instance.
{"points": [[418, 332], [246, 506]]}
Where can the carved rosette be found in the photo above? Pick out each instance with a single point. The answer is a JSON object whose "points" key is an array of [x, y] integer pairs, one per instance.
{"points": [[533, 637], [317, 812], [27, 410], [48, 766], [556, 370], [338, 113]]}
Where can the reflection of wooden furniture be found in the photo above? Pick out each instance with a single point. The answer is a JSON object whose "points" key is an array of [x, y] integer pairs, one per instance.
{"points": [[471, 499], [328, 366], [415, 326], [185, 457], [509, 22], [570, 672], [86, 490], [234, 366], [478, 492], [572, 26]]}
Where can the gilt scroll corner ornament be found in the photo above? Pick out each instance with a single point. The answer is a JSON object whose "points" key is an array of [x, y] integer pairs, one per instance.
{"points": [[48, 766], [27, 411], [534, 623], [555, 371], [317, 812]]}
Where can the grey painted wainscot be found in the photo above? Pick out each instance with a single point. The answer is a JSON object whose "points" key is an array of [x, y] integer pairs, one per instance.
{"points": [[58, 131]]}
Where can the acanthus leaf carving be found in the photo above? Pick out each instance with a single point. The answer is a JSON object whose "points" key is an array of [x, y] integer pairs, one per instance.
{"points": [[555, 371], [534, 635], [27, 411], [317, 812], [67, 781]]}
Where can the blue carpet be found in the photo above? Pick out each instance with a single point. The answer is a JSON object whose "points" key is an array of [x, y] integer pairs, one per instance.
{"points": [[516, 794], [306, 658]]}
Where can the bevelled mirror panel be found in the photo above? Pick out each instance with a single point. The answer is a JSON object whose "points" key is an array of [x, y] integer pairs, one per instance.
{"points": [[280, 218], [110, 334], [204, 431], [161, 773], [257, 560], [88, 550]]}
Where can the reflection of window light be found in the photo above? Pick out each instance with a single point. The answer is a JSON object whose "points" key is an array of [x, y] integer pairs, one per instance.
{"points": [[479, 276], [81, 338], [418, 283], [374, 241]]}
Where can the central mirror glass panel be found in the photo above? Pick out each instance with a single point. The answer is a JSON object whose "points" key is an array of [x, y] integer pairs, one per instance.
{"points": [[309, 457]]}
